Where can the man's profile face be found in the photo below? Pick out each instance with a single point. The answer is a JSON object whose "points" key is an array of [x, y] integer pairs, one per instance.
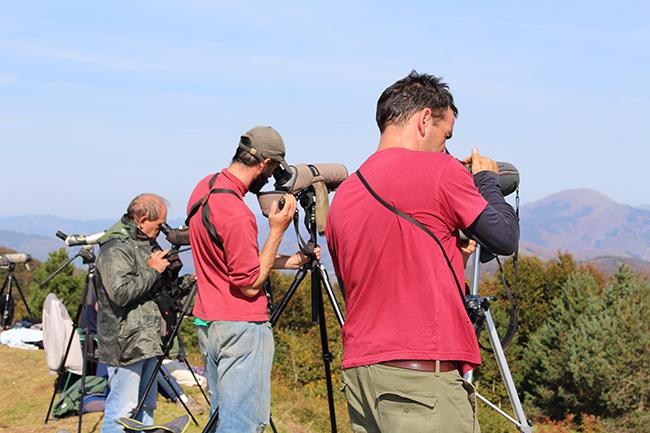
{"points": [[267, 168], [439, 131], [152, 228]]}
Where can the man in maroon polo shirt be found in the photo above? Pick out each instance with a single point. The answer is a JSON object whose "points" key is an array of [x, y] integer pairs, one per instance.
{"points": [[231, 271], [407, 338]]}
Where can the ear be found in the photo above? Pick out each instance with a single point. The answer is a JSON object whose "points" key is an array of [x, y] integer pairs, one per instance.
{"points": [[142, 220], [264, 164], [422, 118]]}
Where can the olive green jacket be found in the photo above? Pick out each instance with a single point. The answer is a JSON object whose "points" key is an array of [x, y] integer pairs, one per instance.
{"points": [[128, 320]]}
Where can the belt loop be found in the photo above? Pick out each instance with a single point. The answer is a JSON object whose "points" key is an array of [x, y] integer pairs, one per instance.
{"points": [[437, 367]]}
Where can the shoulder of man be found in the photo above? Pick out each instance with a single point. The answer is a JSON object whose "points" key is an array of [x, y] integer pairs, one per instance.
{"points": [[114, 248], [454, 167]]}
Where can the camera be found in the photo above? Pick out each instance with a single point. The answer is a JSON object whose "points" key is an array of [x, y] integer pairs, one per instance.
{"points": [[175, 287], [178, 237]]}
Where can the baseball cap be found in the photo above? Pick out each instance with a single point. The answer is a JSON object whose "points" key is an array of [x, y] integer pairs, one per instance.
{"points": [[264, 142]]}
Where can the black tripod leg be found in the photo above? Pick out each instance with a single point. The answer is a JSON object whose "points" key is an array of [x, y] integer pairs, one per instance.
{"points": [[178, 396], [22, 296], [300, 275], [272, 424], [182, 356], [6, 291], [196, 380], [327, 356], [49, 409], [83, 380], [166, 348], [212, 422]]}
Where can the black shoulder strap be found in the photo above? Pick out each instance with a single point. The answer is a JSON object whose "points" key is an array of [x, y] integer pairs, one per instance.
{"points": [[205, 211], [417, 223]]}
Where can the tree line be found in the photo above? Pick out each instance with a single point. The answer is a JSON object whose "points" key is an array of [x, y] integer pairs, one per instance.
{"points": [[580, 358]]}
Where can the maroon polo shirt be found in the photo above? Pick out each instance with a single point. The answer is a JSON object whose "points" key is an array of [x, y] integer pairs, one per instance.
{"points": [[220, 276], [401, 298]]}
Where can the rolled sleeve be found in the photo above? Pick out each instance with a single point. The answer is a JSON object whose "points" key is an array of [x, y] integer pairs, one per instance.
{"points": [[239, 237], [464, 202]]}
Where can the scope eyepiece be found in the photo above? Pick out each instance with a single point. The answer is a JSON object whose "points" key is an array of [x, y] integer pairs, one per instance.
{"points": [[285, 179]]}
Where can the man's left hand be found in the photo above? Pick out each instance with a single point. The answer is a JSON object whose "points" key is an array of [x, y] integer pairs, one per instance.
{"points": [[299, 259], [468, 248]]}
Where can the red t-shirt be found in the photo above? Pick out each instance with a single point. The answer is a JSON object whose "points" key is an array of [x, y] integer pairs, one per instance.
{"points": [[401, 298], [220, 276]]}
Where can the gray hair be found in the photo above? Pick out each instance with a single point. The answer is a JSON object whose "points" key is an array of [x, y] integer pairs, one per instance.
{"points": [[147, 204]]}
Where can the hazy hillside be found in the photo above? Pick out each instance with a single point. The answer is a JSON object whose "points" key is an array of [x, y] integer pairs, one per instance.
{"points": [[586, 223], [583, 222], [35, 234], [48, 225], [36, 245]]}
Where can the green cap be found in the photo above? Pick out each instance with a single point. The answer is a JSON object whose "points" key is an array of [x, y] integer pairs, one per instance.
{"points": [[264, 142]]}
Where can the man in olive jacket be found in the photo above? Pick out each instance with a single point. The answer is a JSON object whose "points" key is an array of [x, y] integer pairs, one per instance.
{"points": [[130, 264]]}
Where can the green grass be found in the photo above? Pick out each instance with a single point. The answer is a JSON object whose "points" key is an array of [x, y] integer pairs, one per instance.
{"points": [[26, 388]]}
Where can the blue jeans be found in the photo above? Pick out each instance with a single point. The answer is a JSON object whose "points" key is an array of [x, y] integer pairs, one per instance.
{"points": [[127, 385], [240, 356]]}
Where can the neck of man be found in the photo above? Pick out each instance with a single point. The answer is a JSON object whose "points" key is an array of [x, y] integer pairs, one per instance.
{"points": [[242, 172], [406, 136]]}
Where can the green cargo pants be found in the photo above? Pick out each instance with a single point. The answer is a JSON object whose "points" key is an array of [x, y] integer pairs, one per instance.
{"points": [[384, 399]]}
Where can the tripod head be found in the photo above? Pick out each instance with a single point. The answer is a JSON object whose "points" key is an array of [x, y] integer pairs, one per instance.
{"points": [[311, 184], [86, 252]]}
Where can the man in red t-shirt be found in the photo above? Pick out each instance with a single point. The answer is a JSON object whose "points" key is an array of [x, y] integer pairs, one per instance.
{"points": [[231, 271], [407, 338]]}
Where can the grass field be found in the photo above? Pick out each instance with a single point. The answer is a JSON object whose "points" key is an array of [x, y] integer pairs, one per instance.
{"points": [[26, 389]]}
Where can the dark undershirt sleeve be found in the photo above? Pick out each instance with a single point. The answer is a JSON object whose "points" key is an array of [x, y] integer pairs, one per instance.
{"points": [[497, 227]]}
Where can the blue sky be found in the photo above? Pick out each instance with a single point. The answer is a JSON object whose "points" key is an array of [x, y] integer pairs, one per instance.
{"points": [[102, 100]]}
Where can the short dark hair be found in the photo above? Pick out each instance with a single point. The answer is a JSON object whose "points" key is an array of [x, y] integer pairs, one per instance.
{"points": [[243, 157], [411, 94]]}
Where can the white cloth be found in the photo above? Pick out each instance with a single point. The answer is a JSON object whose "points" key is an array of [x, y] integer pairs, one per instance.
{"points": [[21, 337], [57, 327], [182, 375]]}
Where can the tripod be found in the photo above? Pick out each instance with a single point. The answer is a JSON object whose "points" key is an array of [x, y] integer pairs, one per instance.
{"points": [[166, 348], [319, 279], [522, 423], [8, 301], [88, 256]]}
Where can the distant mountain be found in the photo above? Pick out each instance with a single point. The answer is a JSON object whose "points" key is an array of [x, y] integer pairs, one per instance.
{"points": [[586, 223], [48, 225], [644, 207], [610, 264], [36, 245], [35, 234]]}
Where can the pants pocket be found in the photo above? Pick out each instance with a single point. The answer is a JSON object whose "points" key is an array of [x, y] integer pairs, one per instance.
{"points": [[471, 396], [233, 339], [407, 413]]}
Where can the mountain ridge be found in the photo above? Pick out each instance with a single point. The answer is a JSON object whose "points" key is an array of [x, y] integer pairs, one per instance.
{"points": [[584, 222]]}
